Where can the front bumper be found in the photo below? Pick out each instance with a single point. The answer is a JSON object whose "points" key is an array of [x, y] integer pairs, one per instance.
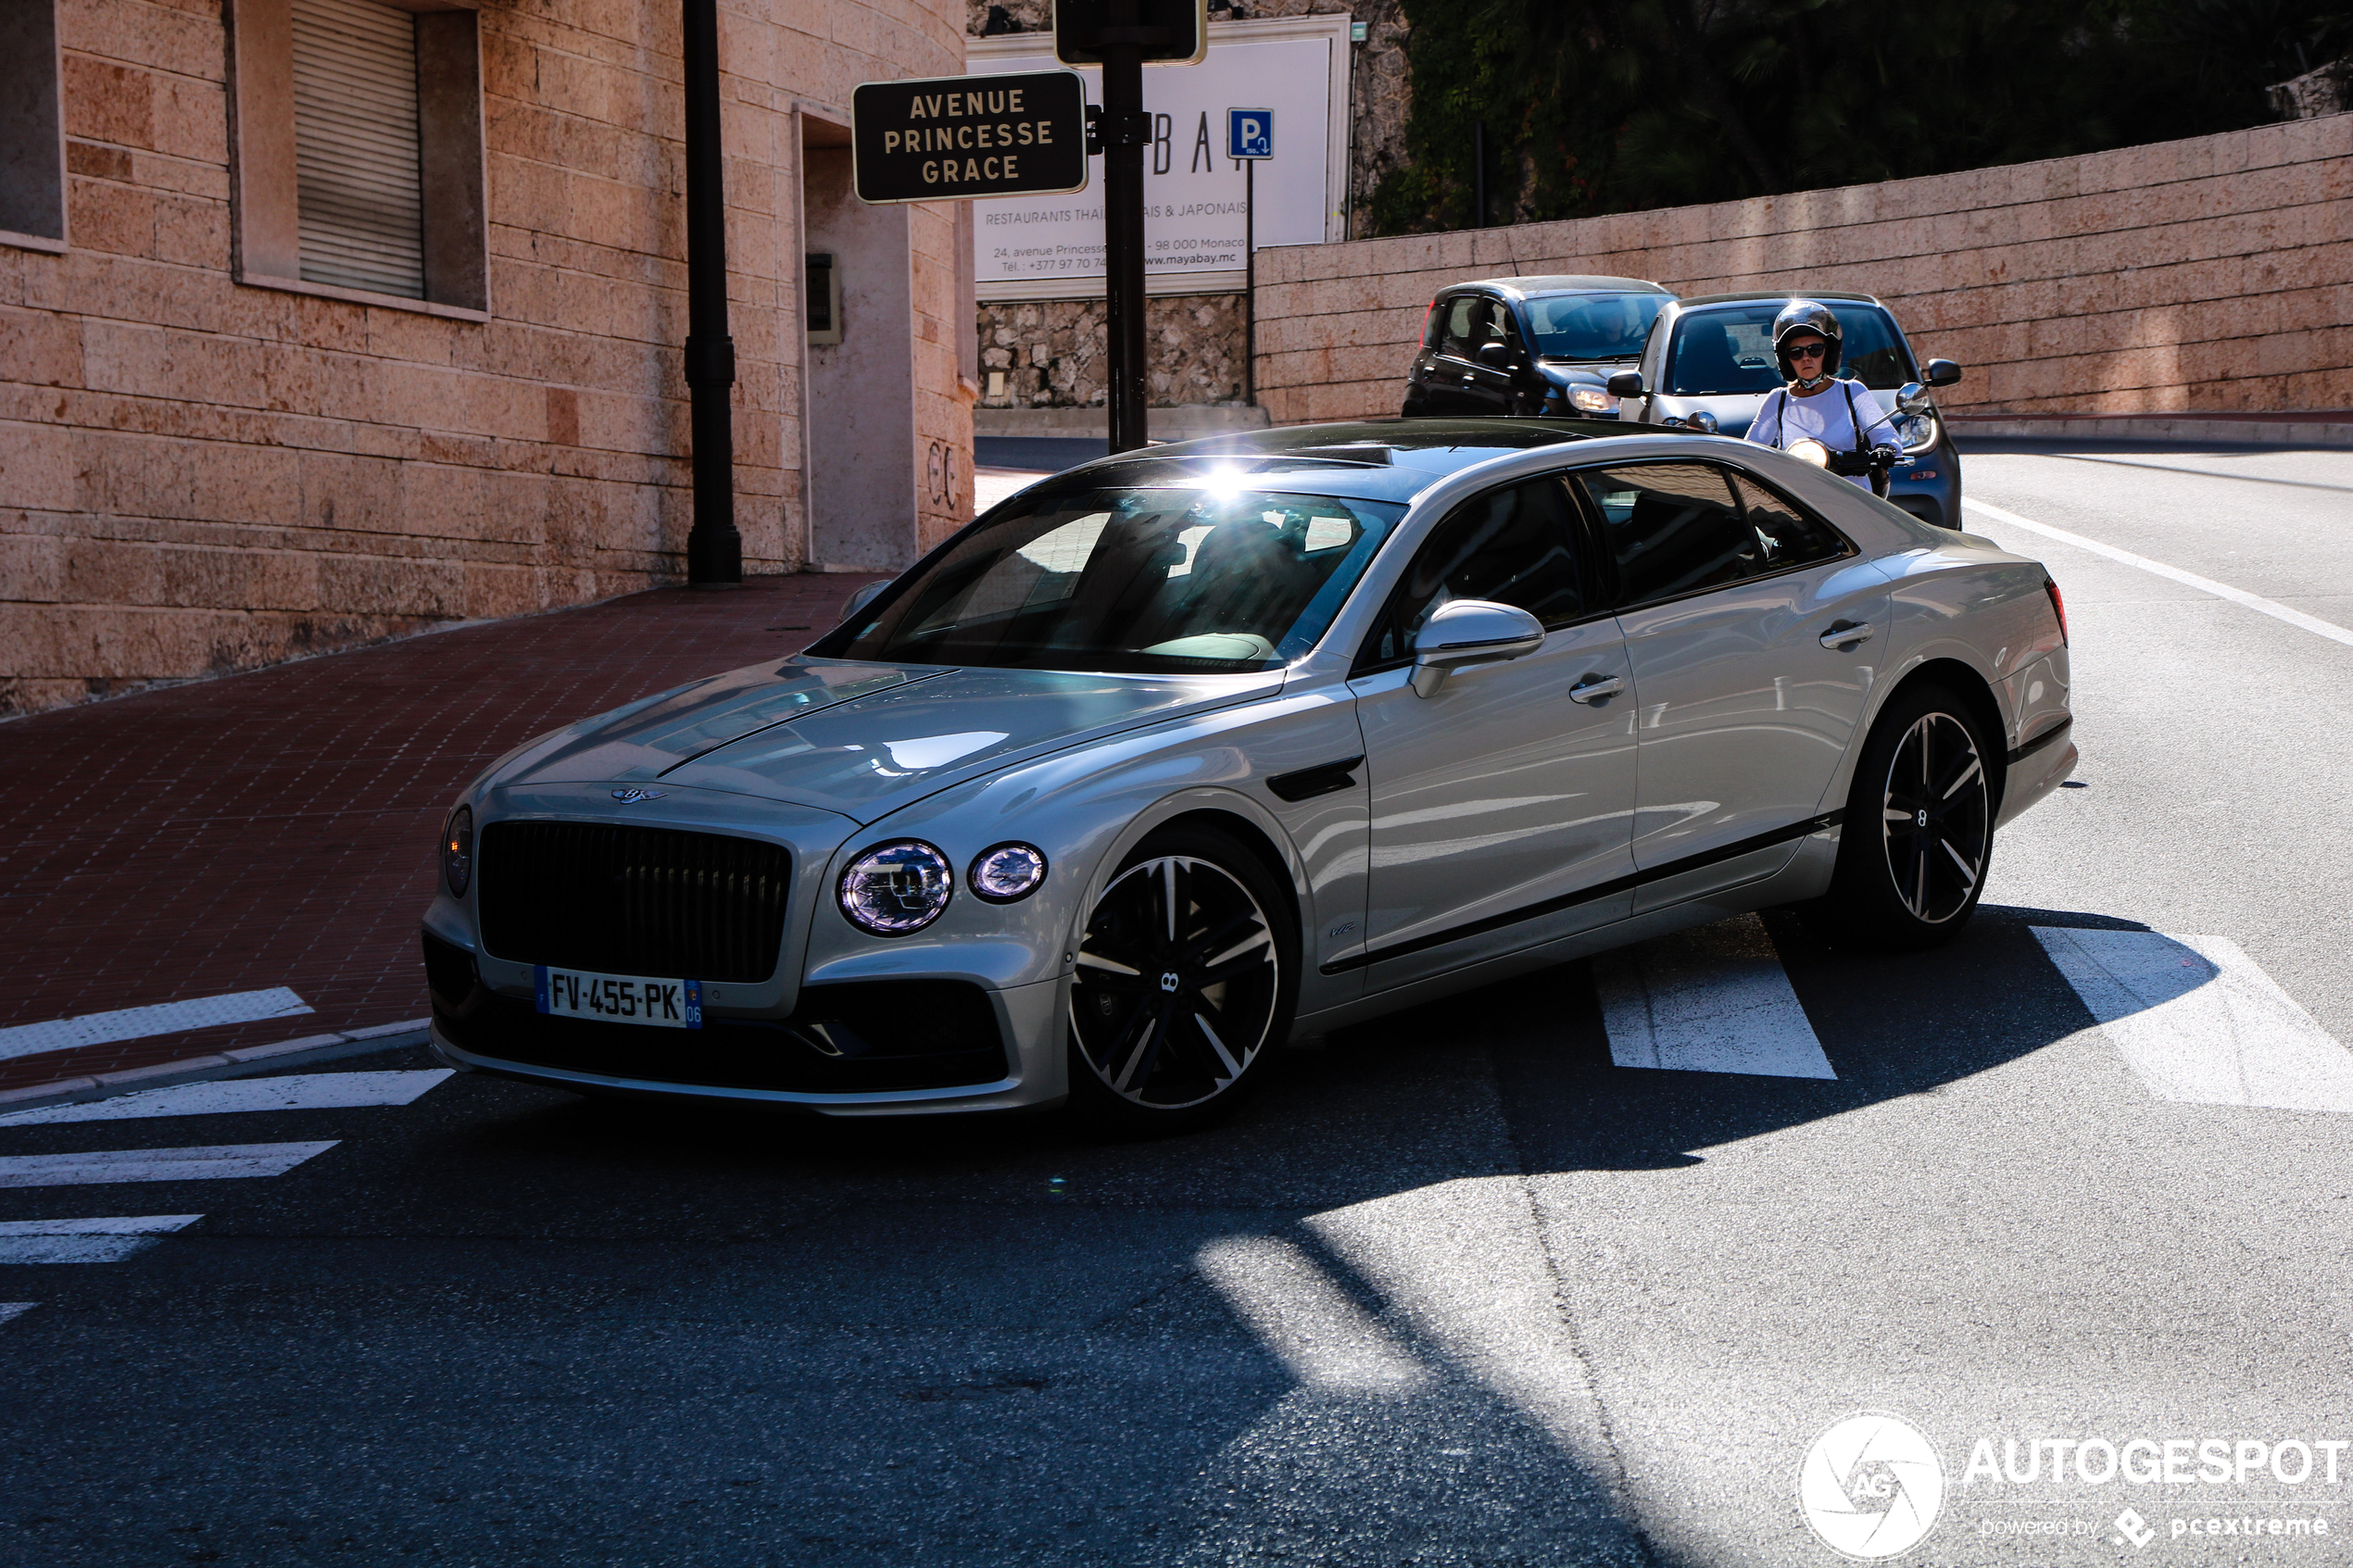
{"points": [[899, 1046]]}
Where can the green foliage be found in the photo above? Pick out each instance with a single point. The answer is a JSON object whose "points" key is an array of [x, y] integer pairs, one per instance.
{"points": [[1612, 105]]}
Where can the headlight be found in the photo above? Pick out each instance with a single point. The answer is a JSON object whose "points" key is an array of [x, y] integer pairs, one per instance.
{"points": [[1919, 432], [458, 851], [1007, 872], [894, 889], [1592, 400]]}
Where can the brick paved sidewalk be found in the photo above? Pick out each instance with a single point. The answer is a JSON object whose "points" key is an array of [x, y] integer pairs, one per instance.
{"points": [[278, 828]]}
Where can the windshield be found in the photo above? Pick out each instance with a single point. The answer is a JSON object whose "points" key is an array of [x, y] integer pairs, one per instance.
{"points": [[1720, 352], [1201, 578], [1592, 326]]}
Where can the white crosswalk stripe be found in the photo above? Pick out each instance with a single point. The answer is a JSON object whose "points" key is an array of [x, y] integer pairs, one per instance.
{"points": [[1712, 999], [2199, 1023], [137, 1024], [303, 1091], [224, 1161], [86, 1241]]}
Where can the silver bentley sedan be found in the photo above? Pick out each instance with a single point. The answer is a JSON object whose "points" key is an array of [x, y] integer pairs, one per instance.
{"points": [[1190, 752]]}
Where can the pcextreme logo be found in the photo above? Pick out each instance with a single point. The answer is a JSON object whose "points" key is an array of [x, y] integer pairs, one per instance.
{"points": [[1872, 1486]]}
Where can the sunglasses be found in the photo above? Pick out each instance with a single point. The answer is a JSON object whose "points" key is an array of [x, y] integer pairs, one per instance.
{"points": [[1808, 350]]}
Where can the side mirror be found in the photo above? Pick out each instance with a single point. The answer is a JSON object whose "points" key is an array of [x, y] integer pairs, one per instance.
{"points": [[1471, 632], [1704, 422], [1912, 398], [863, 597], [1942, 372], [1627, 383], [1497, 355]]}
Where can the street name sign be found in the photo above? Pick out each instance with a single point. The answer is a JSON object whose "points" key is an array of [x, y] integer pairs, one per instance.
{"points": [[1172, 32], [958, 137], [1250, 133]]}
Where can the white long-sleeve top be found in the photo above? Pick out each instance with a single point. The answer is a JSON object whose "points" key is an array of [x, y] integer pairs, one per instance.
{"points": [[1784, 418]]}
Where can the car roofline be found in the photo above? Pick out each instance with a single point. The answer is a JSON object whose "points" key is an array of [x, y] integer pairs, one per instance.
{"points": [[1557, 282], [1778, 293]]}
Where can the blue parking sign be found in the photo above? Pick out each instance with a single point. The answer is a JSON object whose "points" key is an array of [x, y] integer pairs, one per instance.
{"points": [[1250, 133]]}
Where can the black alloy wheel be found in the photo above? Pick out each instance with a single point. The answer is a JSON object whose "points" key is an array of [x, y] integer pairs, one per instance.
{"points": [[1919, 831], [1184, 983]]}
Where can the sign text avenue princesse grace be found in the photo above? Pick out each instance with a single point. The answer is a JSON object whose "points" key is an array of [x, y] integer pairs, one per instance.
{"points": [[953, 138]]}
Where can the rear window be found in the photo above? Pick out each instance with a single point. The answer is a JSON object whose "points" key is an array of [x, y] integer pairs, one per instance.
{"points": [[1729, 350]]}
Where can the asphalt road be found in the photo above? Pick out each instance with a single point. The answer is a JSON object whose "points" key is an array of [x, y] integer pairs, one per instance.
{"points": [[1456, 1290]]}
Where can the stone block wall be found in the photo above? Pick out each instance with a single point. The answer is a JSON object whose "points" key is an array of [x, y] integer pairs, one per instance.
{"points": [[200, 475], [2211, 274]]}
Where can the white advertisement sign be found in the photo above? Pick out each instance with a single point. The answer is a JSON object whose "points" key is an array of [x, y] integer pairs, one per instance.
{"points": [[1051, 247]]}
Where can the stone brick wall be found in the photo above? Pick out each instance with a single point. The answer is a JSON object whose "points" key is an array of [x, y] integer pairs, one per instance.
{"points": [[2211, 274], [1051, 351], [197, 475]]}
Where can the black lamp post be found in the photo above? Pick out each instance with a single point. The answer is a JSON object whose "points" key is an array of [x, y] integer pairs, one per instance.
{"points": [[714, 550]]}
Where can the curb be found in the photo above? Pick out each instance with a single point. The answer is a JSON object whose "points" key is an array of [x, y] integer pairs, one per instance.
{"points": [[2325, 433], [224, 1064]]}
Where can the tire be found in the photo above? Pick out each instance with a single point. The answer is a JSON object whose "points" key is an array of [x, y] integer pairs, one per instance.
{"points": [[1169, 1034], [1919, 830]]}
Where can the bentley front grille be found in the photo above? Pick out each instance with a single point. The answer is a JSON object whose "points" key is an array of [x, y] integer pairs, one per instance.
{"points": [[633, 901]]}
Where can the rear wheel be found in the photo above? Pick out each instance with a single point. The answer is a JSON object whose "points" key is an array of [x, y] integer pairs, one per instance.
{"points": [[1186, 982], [1919, 830]]}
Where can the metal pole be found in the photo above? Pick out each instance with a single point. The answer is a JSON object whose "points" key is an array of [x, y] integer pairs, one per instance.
{"points": [[1124, 141], [714, 550], [1249, 282], [1478, 173]]}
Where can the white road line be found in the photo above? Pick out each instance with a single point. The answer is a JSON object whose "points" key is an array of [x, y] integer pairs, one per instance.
{"points": [[16, 1309], [135, 1024], [2256, 602], [221, 1163], [2200, 1023], [86, 1241], [1714, 999], [303, 1091]]}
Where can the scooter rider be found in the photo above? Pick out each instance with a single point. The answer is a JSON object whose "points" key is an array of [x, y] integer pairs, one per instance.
{"points": [[1838, 419]]}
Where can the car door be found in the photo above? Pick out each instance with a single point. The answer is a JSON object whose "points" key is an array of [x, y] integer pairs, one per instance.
{"points": [[1749, 624], [1447, 389], [1501, 801]]}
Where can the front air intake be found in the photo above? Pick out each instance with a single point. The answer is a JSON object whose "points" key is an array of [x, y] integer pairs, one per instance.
{"points": [[632, 901]]}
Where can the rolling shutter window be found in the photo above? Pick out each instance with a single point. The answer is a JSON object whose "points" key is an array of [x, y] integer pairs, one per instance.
{"points": [[359, 188]]}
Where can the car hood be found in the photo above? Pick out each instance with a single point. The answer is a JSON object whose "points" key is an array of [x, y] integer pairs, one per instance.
{"points": [[908, 732], [1582, 372], [1734, 411]]}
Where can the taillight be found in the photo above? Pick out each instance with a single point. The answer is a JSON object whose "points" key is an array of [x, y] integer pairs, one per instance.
{"points": [[2058, 607]]}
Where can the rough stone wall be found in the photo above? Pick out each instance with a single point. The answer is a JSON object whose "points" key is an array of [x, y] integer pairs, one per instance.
{"points": [[199, 476], [1051, 351], [2211, 274]]}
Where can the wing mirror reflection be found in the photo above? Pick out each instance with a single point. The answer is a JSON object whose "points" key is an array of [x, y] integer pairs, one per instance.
{"points": [[862, 596], [1627, 383], [1942, 372], [1471, 632], [1912, 398]]}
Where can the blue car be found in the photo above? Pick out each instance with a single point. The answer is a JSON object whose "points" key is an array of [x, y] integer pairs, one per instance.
{"points": [[1708, 365], [1530, 347]]}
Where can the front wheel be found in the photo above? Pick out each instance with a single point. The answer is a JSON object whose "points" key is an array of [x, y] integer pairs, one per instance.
{"points": [[1186, 977], [1919, 830]]}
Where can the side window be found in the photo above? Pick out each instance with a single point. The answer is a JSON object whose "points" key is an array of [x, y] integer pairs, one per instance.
{"points": [[1462, 325], [1672, 528], [1434, 330], [1515, 546], [1790, 534]]}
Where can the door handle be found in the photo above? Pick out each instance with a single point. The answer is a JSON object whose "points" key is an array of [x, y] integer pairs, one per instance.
{"points": [[1846, 635], [1595, 687]]}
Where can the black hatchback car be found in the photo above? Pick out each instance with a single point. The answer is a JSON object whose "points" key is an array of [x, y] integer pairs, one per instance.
{"points": [[1530, 345]]}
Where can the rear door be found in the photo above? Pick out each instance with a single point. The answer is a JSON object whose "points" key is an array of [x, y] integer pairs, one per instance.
{"points": [[1502, 801], [1752, 627]]}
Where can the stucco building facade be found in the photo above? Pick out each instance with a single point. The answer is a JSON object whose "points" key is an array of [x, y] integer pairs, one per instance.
{"points": [[327, 321]]}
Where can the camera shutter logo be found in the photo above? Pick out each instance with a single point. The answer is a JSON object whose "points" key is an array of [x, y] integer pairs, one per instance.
{"points": [[1872, 1486]]}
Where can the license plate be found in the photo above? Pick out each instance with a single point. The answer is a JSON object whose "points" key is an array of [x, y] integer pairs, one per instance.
{"points": [[620, 998]]}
